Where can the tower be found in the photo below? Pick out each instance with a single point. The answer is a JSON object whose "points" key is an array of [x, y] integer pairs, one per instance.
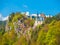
{"points": [[43, 16], [37, 17]]}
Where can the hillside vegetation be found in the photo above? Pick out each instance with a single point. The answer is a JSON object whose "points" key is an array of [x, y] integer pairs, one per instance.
{"points": [[19, 31]]}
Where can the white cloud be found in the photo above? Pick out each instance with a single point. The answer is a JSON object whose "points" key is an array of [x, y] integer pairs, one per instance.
{"points": [[48, 15], [0, 15], [3, 18], [27, 13], [25, 6]]}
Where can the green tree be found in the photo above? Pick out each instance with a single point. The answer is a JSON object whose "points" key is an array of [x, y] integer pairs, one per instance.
{"points": [[53, 35]]}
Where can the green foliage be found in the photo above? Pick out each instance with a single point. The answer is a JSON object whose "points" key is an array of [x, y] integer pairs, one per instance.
{"points": [[29, 22], [21, 41], [53, 34], [11, 17], [41, 37], [35, 33], [57, 17], [9, 38], [50, 19], [2, 27], [47, 34], [17, 16]]}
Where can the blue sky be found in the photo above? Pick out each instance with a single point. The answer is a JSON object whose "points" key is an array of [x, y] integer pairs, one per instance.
{"points": [[51, 7]]}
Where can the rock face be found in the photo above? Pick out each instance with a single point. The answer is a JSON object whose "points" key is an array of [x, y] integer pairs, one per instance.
{"points": [[21, 24], [37, 23]]}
